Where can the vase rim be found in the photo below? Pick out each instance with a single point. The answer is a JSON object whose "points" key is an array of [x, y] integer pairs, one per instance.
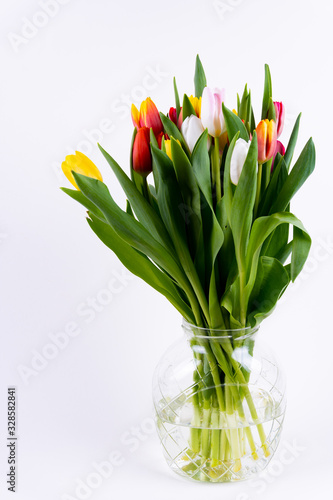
{"points": [[221, 333]]}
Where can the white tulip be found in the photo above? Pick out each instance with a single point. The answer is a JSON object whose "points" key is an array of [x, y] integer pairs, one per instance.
{"points": [[211, 111], [238, 158], [191, 129]]}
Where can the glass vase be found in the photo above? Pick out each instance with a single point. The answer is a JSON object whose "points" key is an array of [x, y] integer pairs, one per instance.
{"points": [[219, 399]]}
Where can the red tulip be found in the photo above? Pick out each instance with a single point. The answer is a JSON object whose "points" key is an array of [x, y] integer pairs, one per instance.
{"points": [[280, 112], [266, 133], [141, 154], [173, 115], [160, 138], [148, 116]]}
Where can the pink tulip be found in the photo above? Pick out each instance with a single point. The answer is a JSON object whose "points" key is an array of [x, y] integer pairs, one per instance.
{"points": [[211, 111], [280, 112], [279, 149]]}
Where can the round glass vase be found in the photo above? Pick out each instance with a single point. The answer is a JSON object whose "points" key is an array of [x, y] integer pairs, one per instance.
{"points": [[219, 399]]}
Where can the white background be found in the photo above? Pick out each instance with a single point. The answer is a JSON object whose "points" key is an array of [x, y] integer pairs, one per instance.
{"points": [[59, 86]]}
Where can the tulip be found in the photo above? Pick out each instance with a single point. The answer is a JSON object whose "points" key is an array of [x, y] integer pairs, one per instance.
{"points": [[167, 145], [279, 149], [192, 129], [238, 158], [173, 115], [168, 148], [280, 112], [266, 132], [211, 111], [180, 119], [196, 103], [160, 138], [148, 116], [80, 164], [141, 154]]}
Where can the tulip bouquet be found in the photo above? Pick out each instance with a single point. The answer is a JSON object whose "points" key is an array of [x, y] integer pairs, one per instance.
{"points": [[211, 230]]}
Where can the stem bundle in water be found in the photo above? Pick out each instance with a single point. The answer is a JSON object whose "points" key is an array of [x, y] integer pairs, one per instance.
{"points": [[224, 413]]}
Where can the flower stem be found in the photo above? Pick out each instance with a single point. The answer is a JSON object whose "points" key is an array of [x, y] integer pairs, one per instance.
{"points": [[256, 203], [217, 169]]}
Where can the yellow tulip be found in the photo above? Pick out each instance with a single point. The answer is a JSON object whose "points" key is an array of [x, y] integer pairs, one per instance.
{"points": [[80, 164], [167, 144], [196, 103]]}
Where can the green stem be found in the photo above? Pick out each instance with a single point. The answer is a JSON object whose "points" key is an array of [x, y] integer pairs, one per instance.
{"points": [[259, 177], [205, 433], [239, 376], [215, 437], [196, 423], [216, 168]]}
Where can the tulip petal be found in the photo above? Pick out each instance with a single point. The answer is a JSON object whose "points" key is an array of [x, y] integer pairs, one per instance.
{"points": [[141, 154], [211, 111], [238, 158], [150, 117], [80, 164], [192, 129], [135, 116]]}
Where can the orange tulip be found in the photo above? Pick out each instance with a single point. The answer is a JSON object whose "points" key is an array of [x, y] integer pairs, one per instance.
{"points": [[141, 154], [148, 116], [267, 137]]}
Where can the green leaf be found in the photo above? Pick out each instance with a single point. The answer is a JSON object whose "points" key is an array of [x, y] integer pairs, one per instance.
{"points": [[188, 109], [191, 206], [201, 167], [138, 264], [292, 143], [176, 97], [143, 210], [234, 124], [244, 105], [78, 196], [241, 212], [129, 229], [303, 167], [271, 114], [129, 208], [152, 137], [301, 245], [261, 230], [274, 187], [170, 200], [200, 81], [252, 121], [172, 130], [215, 313], [271, 281], [267, 93], [284, 253]]}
